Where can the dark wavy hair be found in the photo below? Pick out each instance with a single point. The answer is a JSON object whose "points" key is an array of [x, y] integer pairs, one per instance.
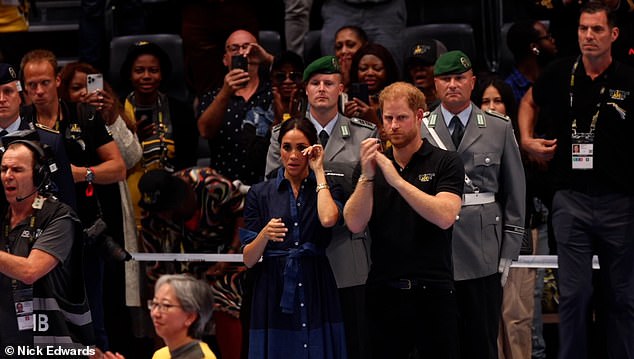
{"points": [[66, 77], [301, 124], [391, 71]]}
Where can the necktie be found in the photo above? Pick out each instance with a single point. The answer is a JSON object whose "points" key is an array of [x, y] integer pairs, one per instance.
{"points": [[458, 131], [3, 133], [323, 138]]}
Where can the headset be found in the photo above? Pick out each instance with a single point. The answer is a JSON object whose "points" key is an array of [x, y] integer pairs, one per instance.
{"points": [[42, 168]]}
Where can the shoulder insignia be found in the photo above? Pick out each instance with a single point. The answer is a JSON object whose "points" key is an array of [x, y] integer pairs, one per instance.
{"points": [[276, 128], [47, 129], [345, 131], [481, 122], [362, 123], [432, 120], [498, 115]]}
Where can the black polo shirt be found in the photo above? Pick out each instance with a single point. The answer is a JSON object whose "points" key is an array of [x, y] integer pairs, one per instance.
{"points": [[613, 161], [404, 245]]}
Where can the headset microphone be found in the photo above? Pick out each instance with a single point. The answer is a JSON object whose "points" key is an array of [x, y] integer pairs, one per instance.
{"points": [[39, 187]]}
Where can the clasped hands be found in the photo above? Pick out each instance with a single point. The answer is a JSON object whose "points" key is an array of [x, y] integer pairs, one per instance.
{"points": [[372, 156]]}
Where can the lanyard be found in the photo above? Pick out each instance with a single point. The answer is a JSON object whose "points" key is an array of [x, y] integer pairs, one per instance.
{"points": [[595, 117]]}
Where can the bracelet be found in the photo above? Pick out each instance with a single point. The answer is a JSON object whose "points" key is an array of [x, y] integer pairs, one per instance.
{"points": [[322, 186], [364, 178]]}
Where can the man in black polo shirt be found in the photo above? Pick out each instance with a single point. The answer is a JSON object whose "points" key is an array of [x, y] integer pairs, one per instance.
{"points": [[586, 105], [410, 203]]}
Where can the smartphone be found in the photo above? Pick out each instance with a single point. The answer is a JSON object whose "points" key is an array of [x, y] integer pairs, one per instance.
{"points": [[94, 82], [239, 62], [359, 90]]}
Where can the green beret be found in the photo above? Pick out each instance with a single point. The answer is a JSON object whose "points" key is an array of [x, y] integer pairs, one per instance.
{"points": [[323, 65], [452, 63]]}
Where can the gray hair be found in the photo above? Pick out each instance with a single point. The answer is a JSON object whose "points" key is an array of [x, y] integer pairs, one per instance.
{"points": [[194, 295]]}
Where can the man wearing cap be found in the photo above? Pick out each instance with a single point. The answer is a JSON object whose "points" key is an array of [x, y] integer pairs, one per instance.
{"points": [[341, 136], [488, 232], [197, 210], [419, 68], [11, 121], [237, 116]]}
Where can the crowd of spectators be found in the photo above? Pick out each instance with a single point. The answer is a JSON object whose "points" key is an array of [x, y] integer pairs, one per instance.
{"points": [[290, 141]]}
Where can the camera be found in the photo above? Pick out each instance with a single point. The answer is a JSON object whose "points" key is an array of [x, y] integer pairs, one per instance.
{"points": [[109, 249]]}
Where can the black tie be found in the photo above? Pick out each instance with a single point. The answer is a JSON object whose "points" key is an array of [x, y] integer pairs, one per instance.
{"points": [[3, 133], [458, 130], [323, 138]]}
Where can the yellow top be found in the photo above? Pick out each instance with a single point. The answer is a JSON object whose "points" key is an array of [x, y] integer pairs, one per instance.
{"points": [[164, 352]]}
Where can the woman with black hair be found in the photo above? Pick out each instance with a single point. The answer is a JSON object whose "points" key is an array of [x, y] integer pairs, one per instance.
{"points": [[295, 310]]}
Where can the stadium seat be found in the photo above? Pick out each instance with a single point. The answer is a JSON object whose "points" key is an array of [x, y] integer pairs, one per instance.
{"points": [[172, 44], [270, 41]]}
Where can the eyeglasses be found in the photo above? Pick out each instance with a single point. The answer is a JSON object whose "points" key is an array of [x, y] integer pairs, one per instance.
{"points": [[235, 48], [281, 76], [161, 307]]}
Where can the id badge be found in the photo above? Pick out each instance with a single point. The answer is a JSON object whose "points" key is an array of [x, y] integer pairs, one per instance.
{"points": [[23, 305], [582, 151]]}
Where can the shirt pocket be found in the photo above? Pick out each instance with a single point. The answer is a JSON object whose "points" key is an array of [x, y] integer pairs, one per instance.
{"points": [[486, 167]]}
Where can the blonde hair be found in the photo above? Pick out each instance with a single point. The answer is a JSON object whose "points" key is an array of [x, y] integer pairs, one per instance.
{"points": [[39, 55]]}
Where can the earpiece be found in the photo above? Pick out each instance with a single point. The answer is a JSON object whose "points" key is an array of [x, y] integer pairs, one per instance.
{"points": [[535, 50]]}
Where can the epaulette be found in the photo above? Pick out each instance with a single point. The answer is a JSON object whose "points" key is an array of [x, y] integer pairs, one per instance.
{"points": [[276, 127], [47, 129], [363, 123], [498, 115]]}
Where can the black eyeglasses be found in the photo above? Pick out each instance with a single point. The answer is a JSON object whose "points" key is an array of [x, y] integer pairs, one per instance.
{"points": [[235, 48], [280, 76]]}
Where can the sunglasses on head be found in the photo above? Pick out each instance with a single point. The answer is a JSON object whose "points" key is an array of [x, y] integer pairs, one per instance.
{"points": [[281, 76]]}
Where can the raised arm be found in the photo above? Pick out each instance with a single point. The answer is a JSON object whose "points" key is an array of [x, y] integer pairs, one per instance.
{"points": [[358, 209]]}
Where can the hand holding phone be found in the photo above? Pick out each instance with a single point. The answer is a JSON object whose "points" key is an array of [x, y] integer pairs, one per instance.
{"points": [[239, 62], [94, 82], [360, 90]]}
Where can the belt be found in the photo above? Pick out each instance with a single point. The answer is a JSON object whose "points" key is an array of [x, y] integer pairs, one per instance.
{"points": [[472, 199], [406, 284]]}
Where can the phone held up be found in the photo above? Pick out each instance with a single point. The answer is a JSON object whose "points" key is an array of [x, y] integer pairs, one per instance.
{"points": [[360, 90], [94, 82], [239, 62]]}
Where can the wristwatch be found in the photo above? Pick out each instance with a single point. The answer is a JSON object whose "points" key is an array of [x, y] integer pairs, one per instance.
{"points": [[90, 175]]}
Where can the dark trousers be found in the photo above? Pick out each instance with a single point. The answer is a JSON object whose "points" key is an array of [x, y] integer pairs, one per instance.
{"points": [[585, 225], [479, 310], [402, 320], [355, 321]]}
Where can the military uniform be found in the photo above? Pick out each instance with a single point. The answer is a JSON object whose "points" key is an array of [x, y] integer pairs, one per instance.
{"points": [[490, 225], [493, 167]]}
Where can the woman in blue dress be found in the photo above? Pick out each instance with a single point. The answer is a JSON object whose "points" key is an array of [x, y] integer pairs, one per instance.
{"points": [[295, 311]]}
